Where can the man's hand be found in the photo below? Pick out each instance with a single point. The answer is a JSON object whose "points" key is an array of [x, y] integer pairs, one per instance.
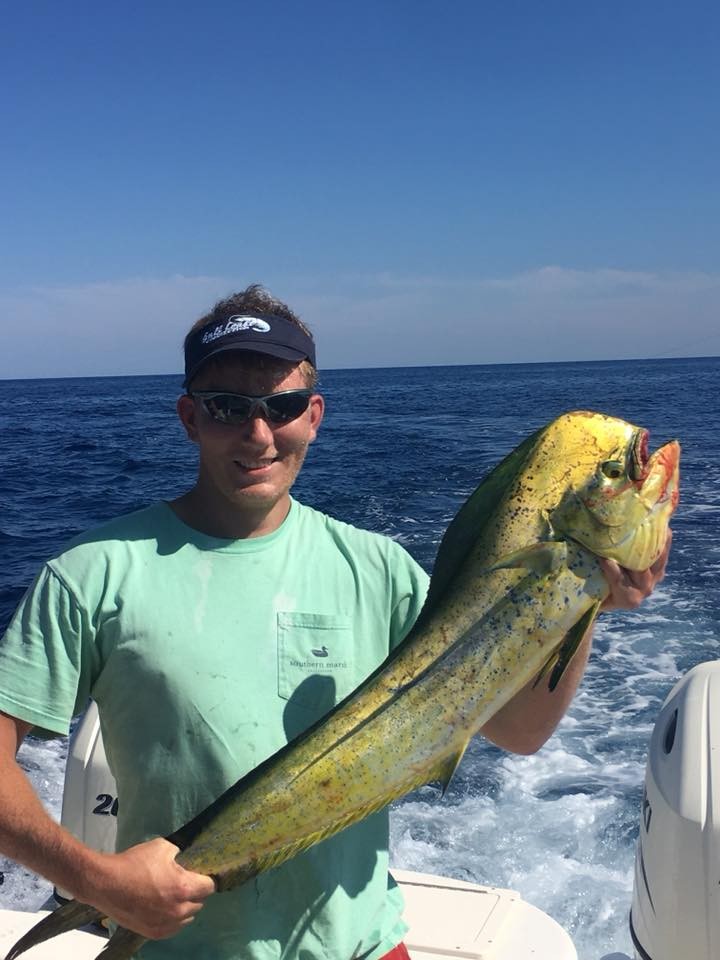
{"points": [[145, 890], [142, 889], [628, 588]]}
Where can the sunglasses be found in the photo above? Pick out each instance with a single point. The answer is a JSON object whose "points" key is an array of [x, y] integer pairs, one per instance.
{"points": [[236, 408]]}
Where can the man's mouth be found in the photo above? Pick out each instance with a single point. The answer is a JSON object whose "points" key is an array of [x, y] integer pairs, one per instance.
{"points": [[261, 464]]}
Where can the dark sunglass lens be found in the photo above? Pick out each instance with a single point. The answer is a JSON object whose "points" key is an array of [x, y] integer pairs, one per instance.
{"points": [[288, 406], [227, 408]]}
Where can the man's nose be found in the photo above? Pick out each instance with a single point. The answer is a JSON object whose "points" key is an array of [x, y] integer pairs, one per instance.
{"points": [[258, 429]]}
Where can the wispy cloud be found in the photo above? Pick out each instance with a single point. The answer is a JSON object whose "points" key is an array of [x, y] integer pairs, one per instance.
{"points": [[129, 326], [551, 313], [555, 280]]}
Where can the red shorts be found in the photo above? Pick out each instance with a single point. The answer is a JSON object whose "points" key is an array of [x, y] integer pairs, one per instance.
{"points": [[400, 952]]}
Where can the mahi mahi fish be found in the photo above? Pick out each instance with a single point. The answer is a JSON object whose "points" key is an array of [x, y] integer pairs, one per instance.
{"points": [[516, 586]]}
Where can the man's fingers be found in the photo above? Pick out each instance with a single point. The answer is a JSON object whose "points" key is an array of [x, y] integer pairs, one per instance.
{"points": [[641, 580], [202, 887], [628, 588], [198, 886], [150, 892], [660, 565]]}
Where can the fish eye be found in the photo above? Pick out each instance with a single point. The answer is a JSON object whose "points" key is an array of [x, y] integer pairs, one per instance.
{"points": [[613, 469]]}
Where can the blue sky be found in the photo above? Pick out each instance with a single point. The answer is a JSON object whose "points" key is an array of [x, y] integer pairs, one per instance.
{"points": [[426, 183]]}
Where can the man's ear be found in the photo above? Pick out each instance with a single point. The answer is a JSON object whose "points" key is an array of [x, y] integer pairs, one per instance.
{"points": [[317, 409], [187, 413]]}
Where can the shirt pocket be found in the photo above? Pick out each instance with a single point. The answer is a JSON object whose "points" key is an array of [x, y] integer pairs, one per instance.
{"points": [[315, 658]]}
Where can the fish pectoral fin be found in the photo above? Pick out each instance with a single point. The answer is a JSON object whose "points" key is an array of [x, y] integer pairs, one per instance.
{"points": [[69, 916], [558, 661], [447, 769], [541, 558], [573, 638]]}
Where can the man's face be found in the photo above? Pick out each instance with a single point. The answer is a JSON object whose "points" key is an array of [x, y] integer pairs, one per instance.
{"points": [[250, 467]]}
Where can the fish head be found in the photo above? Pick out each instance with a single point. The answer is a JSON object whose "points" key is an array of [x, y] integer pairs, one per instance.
{"points": [[618, 499]]}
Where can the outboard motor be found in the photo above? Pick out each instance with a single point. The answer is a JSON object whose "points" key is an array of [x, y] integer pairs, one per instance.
{"points": [[676, 898], [89, 808]]}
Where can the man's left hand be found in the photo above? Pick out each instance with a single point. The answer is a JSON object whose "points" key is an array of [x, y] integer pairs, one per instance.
{"points": [[628, 588]]}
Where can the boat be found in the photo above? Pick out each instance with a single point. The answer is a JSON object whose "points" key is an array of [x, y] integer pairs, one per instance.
{"points": [[675, 909]]}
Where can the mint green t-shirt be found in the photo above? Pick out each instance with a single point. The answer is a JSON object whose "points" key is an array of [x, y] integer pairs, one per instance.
{"points": [[205, 656]]}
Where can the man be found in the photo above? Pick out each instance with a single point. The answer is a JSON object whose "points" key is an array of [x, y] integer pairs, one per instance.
{"points": [[193, 626]]}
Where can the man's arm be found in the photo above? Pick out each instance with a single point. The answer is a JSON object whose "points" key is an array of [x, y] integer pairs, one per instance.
{"points": [[530, 718], [142, 888]]}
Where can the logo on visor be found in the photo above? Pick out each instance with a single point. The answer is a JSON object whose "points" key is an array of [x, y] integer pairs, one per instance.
{"points": [[236, 324]]}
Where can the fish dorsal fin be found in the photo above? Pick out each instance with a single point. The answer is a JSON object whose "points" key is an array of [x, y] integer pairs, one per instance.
{"points": [[462, 534], [557, 662]]}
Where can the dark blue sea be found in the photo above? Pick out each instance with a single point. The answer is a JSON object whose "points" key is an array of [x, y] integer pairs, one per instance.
{"points": [[399, 451]]}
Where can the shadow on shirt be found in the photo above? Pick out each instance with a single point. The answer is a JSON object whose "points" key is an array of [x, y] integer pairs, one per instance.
{"points": [[309, 702], [297, 717]]}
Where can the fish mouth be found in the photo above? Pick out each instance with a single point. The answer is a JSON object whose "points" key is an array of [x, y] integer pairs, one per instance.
{"points": [[659, 480], [639, 456]]}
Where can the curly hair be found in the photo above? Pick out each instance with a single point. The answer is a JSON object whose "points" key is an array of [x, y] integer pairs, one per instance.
{"points": [[252, 300]]}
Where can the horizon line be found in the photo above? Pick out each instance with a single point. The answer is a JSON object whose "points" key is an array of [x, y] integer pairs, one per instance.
{"points": [[406, 366]]}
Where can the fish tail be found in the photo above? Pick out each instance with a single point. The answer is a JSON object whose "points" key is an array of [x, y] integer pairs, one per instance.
{"points": [[123, 944], [67, 917]]}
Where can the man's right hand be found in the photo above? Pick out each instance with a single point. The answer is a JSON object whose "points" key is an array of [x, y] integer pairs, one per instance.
{"points": [[145, 890]]}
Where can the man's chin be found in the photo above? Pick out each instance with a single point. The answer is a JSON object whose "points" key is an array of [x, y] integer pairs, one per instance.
{"points": [[257, 496]]}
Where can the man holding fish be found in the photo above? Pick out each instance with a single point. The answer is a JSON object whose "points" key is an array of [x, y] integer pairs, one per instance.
{"points": [[214, 629]]}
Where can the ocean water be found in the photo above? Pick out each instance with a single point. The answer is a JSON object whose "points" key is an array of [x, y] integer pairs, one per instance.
{"points": [[399, 451]]}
